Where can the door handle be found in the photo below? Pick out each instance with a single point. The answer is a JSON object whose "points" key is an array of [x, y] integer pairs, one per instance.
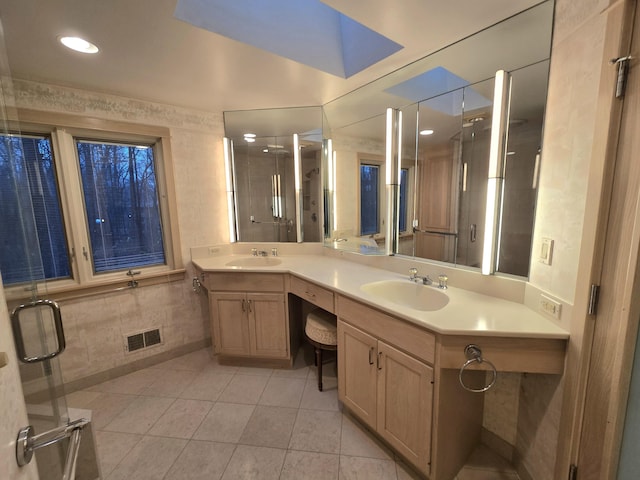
{"points": [[371, 350], [18, 336], [379, 361]]}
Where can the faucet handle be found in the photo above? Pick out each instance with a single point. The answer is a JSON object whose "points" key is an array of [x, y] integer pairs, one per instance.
{"points": [[414, 273], [254, 252], [442, 281]]}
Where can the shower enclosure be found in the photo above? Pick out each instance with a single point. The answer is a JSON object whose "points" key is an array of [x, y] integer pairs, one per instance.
{"points": [[264, 189]]}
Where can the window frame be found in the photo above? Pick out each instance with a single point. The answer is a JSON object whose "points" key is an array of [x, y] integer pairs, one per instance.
{"points": [[64, 130], [375, 160]]}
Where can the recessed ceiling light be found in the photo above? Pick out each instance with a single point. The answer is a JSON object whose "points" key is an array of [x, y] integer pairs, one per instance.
{"points": [[426, 132], [79, 44], [249, 135]]}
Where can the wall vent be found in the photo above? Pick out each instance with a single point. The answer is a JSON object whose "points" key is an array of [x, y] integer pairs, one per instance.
{"points": [[140, 340]]}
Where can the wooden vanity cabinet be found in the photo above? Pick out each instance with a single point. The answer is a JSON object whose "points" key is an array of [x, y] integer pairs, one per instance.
{"points": [[387, 388], [249, 315]]}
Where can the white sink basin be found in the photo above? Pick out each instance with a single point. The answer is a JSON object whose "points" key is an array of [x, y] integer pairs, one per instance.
{"points": [[408, 294], [254, 262]]}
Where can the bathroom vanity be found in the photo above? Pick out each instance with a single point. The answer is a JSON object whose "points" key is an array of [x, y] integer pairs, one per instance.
{"points": [[399, 368]]}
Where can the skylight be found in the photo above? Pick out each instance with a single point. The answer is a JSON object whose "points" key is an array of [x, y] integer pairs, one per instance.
{"points": [[306, 31], [431, 86]]}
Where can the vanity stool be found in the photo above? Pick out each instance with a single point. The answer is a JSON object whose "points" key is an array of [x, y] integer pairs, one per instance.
{"points": [[321, 332]]}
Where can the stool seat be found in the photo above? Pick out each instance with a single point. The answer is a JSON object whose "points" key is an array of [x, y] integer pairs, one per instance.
{"points": [[321, 331], [321, 327]]}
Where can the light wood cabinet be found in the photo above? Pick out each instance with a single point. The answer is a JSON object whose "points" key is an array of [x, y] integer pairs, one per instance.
{"points": [[249, 316], [390, 391]]}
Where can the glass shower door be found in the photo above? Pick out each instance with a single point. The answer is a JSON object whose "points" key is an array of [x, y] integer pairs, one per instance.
{"points": [[30, 233]]}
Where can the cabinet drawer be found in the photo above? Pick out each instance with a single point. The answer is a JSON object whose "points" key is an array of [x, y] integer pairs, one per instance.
{"points": [[405, 336], [253, 282], [319, 296]]}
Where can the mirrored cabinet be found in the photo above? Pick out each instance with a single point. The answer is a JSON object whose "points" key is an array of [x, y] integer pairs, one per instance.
{"points": [[437, 160]]}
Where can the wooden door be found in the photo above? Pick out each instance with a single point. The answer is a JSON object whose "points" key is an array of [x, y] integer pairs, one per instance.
{"points": [[616, 324], [405, 402], [357, 372], [230, 323], [268, 325]]}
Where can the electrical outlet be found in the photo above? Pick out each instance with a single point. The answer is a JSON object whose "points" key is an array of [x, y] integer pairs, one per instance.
{"points": [[213, 250], [550, 307]]}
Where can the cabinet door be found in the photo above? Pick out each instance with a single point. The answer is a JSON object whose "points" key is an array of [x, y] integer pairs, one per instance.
{"points": [[268, 325], [357, 372], [405, 401], [230, 323]]}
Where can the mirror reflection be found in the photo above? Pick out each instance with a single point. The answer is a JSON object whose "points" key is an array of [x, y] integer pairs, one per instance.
{"points": [[270, 204], [449, 94], [359, 216]]}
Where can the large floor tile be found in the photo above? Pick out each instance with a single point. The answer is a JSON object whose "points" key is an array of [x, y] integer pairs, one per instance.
{"points": [[140, 415], [356, 441], [314, 399], [255, 463], [244, 389], [310, 466], [360, 468], [317, 431], [150, 459], [283, 392], [269, 427], [113, 447], [170, 384], [225, 422], [201, 461], [108, 406], [208, 385], [81, 398], [181, 419]]}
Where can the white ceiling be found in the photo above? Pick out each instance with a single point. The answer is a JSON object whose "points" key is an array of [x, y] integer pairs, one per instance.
{"points": [[148, 54]]}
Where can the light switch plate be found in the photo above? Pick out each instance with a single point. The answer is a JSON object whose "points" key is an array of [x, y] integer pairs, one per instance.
{"points": [[546, 251]]}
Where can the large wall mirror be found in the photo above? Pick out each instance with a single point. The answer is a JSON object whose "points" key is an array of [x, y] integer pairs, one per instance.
{"points": [[447, 102], [275, 181]]}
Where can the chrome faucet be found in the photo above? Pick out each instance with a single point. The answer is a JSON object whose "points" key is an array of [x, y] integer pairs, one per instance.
{"points": [[414, 277]]}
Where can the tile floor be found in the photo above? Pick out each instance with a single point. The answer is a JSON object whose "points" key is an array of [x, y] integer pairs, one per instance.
{"points": [[192, 418]]}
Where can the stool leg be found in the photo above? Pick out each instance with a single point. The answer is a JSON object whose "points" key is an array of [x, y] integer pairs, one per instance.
{"points": [[319, 365]]}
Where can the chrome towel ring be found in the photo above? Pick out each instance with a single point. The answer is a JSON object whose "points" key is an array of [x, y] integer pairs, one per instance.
{"points": [[474, 354]]}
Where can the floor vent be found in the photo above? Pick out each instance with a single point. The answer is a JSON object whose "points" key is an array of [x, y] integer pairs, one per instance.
{"points": [[140, 340]]}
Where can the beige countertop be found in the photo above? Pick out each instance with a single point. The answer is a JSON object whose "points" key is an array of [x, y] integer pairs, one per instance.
{"points": [[466, 313]]}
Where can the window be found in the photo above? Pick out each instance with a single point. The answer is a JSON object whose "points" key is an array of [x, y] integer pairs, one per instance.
{"points": [[82, 207], [369, 199], [35, 248], [121, 205]]}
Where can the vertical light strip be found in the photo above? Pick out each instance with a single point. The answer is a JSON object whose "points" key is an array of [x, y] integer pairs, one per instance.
{"points": [[499, 132], [297, 168], [392, 180], [227, 147], [334, 197]]}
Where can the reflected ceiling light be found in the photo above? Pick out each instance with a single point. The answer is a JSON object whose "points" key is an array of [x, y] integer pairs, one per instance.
{"points": [[79, 44], [265, 150], [249, 139], [426, 132]]}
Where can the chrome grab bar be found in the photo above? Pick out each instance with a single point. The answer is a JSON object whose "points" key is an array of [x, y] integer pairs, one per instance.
{"points": [[23, 356], [27, 443]]}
